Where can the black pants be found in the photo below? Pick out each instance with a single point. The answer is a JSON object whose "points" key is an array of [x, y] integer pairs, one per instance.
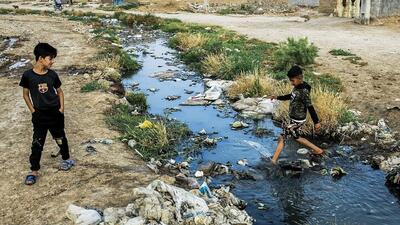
{"points": [[47, 120]]}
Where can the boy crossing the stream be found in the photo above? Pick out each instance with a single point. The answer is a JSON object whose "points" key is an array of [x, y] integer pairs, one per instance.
{"points": [[300, 103], [45, 99]]}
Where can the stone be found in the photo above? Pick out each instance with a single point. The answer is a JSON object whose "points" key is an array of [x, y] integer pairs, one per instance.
{"points": [[213, 93], [210, 141], [82, 216], [197, 100], [113, 215], [172, 97], [239, 125]]}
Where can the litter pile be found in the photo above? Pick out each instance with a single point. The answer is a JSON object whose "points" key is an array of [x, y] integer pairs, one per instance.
{"points": [[161, 203], [254, 107]]}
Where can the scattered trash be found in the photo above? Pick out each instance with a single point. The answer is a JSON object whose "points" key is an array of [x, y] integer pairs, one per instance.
{"points": [[214, 169], [205, 190], [83, 216], [91, 149], [132, 143], [239, 125], [19, 64], [100, 140], [203, 132], [242, 162], [337, 172], [210, 141], [213, 93], [302, 151], [172, 97], [261, 206], [324, 172], [199, 173]]}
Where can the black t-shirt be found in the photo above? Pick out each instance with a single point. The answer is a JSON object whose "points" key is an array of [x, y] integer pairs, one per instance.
{"points": [[42, 88]]}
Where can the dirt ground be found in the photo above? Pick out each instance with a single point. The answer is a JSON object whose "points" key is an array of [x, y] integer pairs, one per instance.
{"points": [[99, 180]]}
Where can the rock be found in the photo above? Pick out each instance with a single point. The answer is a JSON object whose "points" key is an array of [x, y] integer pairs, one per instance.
{"points": [[254, 107], [302, 151], [242, 162], [239, 125], [224, 85], [195, 101], [390, 163], [219, 102], [165, 75], [259, 11], [135, 221], [81, 216], [132, 143], [305, 163], [213, 93], [199, 173], [113, 215], [337, 172], [122, 101], [213, 169], [172, 97], [189, 92], [393, 177], [153, 89]]}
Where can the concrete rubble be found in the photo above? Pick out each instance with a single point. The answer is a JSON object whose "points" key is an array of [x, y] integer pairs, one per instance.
{"points": [[161, 203]]}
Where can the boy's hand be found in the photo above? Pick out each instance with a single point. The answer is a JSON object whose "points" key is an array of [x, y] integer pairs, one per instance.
{"points": [[61, 110], [273, 97], [317, 127]]}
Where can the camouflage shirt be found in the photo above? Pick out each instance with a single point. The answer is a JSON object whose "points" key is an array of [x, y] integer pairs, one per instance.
{"points": [[300, 101]]}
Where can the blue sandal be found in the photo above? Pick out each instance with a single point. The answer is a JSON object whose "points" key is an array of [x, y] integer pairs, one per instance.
{"points": [[67, 164], [30, 179]]}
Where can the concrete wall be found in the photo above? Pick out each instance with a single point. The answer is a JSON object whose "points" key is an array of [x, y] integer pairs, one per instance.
{"points": [[304, 3], [383, 8], [327, 6]]}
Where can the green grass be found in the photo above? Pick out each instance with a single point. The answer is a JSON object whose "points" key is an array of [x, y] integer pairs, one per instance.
{"points": [[93, 86], [326, 81], [291, 52], [138, 101], [340, 52], [347, 117], [158, 141]]}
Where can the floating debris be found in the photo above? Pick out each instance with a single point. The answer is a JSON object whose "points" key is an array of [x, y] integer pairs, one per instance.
{"points": [[153, 90], [302, 151], [203, 132], [199, 173], [337, 172], [243, 162], [90, 149]]}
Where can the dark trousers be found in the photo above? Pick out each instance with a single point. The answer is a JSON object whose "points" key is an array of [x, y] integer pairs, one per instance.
{"points": [[47, 120]]}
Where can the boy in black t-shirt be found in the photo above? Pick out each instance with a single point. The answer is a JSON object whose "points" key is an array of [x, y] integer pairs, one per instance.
{"points": [[45, 99]]}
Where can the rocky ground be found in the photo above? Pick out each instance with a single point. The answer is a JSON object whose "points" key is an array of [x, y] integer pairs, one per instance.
{"points": [[98, 177]]}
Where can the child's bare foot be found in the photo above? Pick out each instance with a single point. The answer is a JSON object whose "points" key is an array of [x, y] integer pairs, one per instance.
{"points": [[274, 162], [319, 152]]}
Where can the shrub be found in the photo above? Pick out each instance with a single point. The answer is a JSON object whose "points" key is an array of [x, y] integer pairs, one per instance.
{"points": [[347, 116], [95, 85], [138, 101], [340, 52], [186, 41], [327, 81], [216, 65], [293, 52], [257, 84]]}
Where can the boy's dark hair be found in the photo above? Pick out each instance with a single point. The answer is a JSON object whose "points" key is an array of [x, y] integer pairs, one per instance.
{"points": [[295, 71], [43, 50]]}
